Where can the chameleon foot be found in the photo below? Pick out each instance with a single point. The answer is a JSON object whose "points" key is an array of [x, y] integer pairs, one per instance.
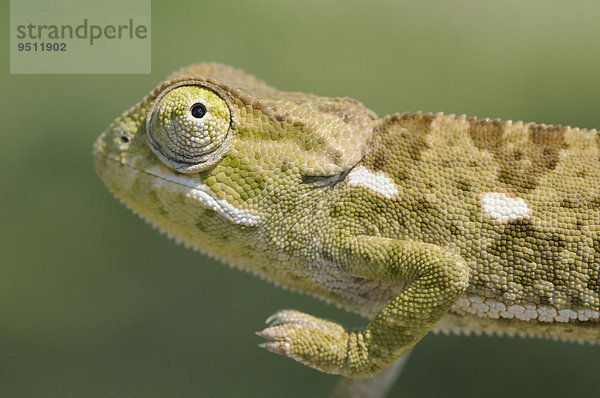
{"points": [[310, 340]]}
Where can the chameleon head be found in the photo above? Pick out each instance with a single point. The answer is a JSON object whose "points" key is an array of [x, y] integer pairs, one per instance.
{"points": [[169, 159], [215, 149]]}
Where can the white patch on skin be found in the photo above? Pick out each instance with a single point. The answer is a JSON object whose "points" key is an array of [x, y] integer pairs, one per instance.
{"points": [[490, 308], [378, 182], [502, 208], [206, 198]]}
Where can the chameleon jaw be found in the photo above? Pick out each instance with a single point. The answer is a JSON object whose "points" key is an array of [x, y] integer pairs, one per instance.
{"points": [[207, 199], [198, 191]]}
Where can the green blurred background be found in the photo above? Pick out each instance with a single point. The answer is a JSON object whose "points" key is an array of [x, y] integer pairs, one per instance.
{"points": [[94, 303]]}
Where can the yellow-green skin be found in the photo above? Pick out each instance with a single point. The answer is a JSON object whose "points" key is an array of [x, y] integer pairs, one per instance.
{"points": [[389, 218]]}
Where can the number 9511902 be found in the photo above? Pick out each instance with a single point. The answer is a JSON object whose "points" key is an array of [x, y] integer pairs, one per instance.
{"points": [[42, 47]]}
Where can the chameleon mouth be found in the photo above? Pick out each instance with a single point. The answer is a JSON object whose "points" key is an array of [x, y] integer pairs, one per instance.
{"points": [[196, 190]]}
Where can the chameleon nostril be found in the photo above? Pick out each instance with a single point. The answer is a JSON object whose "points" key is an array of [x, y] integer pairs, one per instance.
{"points": [[124, 139]]}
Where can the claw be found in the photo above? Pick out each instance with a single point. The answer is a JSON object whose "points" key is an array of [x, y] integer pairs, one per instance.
{"points": [[277, 333], [278, 347], [273, 320]]}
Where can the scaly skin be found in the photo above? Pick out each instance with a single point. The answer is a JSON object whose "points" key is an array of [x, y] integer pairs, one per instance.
{"points": [[417, 222]]}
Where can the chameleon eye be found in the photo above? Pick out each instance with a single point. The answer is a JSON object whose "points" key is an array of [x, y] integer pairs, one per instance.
{"points": [[188, 128]]}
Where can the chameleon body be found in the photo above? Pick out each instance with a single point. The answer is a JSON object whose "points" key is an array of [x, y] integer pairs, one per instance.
{"points": [[418, 222]]}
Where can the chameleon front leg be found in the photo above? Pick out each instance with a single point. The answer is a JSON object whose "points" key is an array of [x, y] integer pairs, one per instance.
{"points": [[435, 278]]}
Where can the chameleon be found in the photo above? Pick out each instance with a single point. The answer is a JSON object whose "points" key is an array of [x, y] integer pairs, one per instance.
{"points": [[418, 222]]}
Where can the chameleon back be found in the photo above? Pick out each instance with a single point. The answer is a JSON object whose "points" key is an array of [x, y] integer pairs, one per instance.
{"points": [[520, 202]]}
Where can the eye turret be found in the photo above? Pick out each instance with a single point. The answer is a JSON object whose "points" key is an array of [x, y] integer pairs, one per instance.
{"points": [[188, 128]]}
